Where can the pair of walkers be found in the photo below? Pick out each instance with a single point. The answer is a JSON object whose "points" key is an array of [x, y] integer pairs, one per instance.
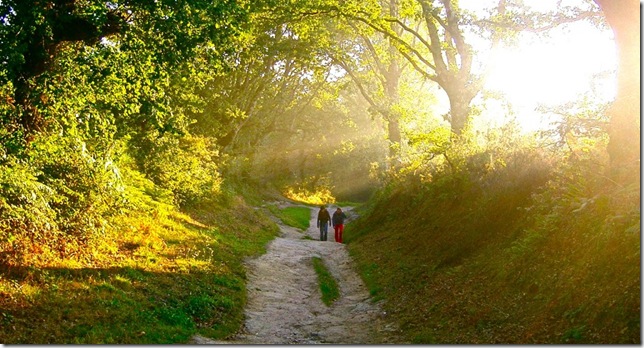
{"points": [[337, 221]]}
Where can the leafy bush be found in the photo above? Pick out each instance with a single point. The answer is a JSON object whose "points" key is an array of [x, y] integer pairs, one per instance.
{"points": [[313, 190], [186, 165], [56, 198], [87, 185], [24, 207]]}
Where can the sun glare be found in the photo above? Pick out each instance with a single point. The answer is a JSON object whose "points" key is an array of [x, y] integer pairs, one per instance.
{"points": [[557, 71], [574, 62], [576, 59]]}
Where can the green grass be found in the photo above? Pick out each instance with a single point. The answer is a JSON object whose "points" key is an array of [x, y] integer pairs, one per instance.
{"points": [[298, 217], [328, 285], [476, 266], [155, 278]]}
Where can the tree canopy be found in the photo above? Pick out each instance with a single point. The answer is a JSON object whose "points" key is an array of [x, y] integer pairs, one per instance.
{"points": [[309, 94]]}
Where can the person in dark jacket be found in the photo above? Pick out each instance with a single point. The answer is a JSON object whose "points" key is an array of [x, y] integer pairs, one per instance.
{"points": [[324, 221], [338, 224]]}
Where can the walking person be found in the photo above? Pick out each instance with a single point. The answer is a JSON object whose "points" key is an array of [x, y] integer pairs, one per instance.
{"points": [[324, 221], [338, 224]]}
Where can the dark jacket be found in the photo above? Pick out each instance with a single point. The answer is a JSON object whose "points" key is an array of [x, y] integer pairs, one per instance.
{"points": [[323, 216], [338, 218]]}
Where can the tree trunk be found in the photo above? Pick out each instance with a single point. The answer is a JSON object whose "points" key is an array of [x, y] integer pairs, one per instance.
{"points": [[393, 117], [393, 133], [392, 79], [623, 16], [460, 96], [459, 113]]}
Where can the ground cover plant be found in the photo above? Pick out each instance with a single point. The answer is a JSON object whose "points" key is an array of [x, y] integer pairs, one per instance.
{"points": [[328, 285], [155, 277], [534, 252]]}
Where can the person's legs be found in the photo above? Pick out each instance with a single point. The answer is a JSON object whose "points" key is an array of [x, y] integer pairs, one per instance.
{"points": [[323, 231], [336, 227], [338, 233]]}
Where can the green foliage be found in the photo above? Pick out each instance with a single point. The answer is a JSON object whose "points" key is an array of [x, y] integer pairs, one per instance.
{"points": [[24, 199], [60, 194], [83, 92], [187, 166], [86, 85], [160, 278], [142, 193], [117, 58], [328, 285], [335, 152], [509, 244], [87, 188]]}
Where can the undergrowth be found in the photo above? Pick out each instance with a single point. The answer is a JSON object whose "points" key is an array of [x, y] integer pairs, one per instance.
{"points": [[540, 249], [155, 276]]}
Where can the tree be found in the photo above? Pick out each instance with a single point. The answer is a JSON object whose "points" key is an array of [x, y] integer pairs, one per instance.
{"points": [[437, 49], [372, 60], [265, 88], [79, 81], [623, 16], [440, 49], [32, 36]]}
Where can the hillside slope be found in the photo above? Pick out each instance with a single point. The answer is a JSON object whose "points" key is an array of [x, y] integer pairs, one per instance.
{"points": [[538, 257], [156, 277]]}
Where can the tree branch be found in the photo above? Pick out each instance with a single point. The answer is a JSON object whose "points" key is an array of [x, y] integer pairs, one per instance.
{"points": [[397, 40], [525, 25], [355, 80]]}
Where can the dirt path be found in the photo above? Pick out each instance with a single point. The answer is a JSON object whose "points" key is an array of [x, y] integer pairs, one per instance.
{"points": [[284, 304]]}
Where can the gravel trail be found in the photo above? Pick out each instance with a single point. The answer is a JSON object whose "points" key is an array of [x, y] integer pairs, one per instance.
{"points": [[284, 301]]}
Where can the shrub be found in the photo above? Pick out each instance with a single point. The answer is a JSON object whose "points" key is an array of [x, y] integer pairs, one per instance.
{"points": [[60, 195], [186, 165], [25, 212]]}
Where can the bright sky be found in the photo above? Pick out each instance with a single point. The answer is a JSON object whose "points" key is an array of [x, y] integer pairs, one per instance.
{"points": [[551, 71]]}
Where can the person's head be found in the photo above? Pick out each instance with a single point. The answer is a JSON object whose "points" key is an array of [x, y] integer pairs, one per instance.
{"points": [[322, 207], [338, 209]]}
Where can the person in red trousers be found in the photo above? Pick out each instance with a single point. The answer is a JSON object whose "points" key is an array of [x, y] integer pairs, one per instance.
{"points": [[338, 224]]}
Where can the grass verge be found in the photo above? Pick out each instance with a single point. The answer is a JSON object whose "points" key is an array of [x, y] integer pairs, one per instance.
{"points": [[298, 217], [328, 285], [158, 277], [513, 261]]}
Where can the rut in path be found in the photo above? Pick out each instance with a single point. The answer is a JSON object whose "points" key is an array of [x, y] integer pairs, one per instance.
{"points": [[284, 301]]}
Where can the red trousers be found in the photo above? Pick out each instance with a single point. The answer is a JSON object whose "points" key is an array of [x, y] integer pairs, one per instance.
{"points": [[338, 232]]}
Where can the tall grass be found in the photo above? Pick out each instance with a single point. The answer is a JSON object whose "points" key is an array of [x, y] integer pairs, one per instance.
{"points": [[537, 250]]}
